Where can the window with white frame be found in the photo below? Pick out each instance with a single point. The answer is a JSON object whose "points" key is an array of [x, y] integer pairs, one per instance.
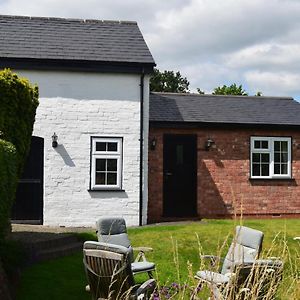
{"points": [[106, 163], [270, 157]]}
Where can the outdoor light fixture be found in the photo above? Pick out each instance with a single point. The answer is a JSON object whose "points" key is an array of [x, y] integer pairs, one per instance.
{"points": [[209, 143], [153, 144], [54, 140]]}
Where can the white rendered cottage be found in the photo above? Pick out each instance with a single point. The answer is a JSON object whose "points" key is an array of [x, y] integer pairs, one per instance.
{"points": [[93, 78]]}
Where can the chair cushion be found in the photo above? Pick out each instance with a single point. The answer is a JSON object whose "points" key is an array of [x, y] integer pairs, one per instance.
{"points": [[245, 247], [118, 239], [110, 226], [213, 277], [142, 266], [249, 237], [112, 231]]}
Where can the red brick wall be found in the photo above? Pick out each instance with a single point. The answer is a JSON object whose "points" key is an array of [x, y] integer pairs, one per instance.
{"points": [[224, 187]]}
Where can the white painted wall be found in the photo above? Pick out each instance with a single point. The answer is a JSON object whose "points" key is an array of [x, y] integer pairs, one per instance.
{"points": [[77, 106]]}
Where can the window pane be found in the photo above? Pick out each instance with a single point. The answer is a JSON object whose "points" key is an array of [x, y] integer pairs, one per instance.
{"points": [[101, 146], [284, 157], [112, 165], [255, 157], [284, 146], [100, 164], [264, 144], [257, 144], [112, 147], [276, 168], [265, 157], [179, 154], [264, 170], [100, 178], [277, 157], [255, 170], [284, 168], [277, 146], [261, 144], [111, 178]]}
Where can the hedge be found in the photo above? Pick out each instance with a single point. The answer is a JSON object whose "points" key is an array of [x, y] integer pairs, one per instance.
{"points": [[18, 103], [8, 179]]}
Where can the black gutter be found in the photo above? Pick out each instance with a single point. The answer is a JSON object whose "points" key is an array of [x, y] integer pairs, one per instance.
{"points": [[141, 145], [182, 125], [75, 65]]}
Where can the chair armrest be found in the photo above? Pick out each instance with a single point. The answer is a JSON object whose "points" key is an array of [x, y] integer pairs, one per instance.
{"points": [[213, 259], [147, 287], [141, 255], [297, 238], [142, 249]]}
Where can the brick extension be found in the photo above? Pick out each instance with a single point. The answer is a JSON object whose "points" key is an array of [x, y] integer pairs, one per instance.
{"points": [[224, 185]]}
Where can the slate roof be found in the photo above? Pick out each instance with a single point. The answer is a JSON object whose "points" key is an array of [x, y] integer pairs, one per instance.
{"points": [[72, 39], [212, 109]]}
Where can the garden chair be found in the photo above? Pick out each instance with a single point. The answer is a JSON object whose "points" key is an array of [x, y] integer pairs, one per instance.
{"points": [[109, 273], [242, 253], [114, 231]]}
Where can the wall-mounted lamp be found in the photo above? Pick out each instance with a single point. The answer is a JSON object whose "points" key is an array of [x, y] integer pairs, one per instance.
{"points": [[209, 143], [54, 140], [153, 144]]}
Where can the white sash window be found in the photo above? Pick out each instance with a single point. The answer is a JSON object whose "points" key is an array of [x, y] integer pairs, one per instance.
{"points": [[270, 157], [106, 163]]}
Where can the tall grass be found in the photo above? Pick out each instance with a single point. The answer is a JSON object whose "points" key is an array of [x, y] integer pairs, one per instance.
{"points": [[276, 275]]}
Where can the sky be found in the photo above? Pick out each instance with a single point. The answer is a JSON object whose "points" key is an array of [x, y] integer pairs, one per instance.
{"points": [[255, 43]]}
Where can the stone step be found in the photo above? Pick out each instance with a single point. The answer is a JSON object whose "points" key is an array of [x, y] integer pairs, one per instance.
{"points": [[40, 246], [56, 252]]}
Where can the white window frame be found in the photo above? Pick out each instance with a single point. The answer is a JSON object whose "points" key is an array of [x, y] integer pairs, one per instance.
{"points": [[270, 151], [106, 155]]}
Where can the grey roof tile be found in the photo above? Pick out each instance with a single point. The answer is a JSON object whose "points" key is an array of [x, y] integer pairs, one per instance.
{"points": [[168, 107], [58, 38]]}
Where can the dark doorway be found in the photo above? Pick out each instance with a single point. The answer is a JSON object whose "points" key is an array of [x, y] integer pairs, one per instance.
{"points": [[28, 207], [180, 176]]}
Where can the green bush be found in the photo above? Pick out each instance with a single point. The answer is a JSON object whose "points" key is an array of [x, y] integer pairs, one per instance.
{"points": [[8, 179], [18, 103]]}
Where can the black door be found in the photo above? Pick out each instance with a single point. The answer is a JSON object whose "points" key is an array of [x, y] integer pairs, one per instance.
{"points": [[180, 176], [28, 207]]}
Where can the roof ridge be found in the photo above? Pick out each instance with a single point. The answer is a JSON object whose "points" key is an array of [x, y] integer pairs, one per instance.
{"points": [[224, 96], [127, 22]]}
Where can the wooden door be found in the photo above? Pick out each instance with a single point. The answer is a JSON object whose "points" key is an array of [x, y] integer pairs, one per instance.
{"points": [[180, 176], [28, 206]]}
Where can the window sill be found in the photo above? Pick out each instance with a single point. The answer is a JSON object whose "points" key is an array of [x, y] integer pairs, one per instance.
{"points": [[272, 179], [105, 190]]}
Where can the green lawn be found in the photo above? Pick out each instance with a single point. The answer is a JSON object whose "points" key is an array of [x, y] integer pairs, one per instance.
{"points": [[176, 254]]}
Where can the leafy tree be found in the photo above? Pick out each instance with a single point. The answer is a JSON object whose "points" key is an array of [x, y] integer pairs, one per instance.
{"points": [[168, 81], [230, 90], [201, 92]]}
